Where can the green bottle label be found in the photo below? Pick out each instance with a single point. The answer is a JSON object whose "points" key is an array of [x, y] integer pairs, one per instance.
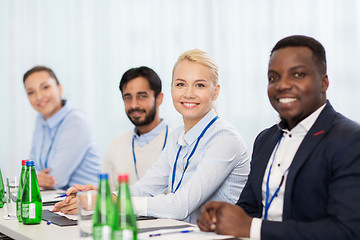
{"points": [[32, 210], [125, 234], [29, 210], [25, 210], [102, 232], [31, 213]]}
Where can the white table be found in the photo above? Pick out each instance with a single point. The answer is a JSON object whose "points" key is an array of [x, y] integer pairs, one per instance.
{"points": [[42, 231], [16, 230]]}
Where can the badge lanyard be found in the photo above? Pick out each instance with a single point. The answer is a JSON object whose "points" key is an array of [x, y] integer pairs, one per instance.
{"points": [[133, 149], [267, 202], [187, 161], [51, 145]]}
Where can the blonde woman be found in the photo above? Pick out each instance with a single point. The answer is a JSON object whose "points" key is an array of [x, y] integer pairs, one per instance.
{"points": [[205, 159]]}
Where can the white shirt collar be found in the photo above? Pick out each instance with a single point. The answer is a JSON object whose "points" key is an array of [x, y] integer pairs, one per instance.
{"points": [[306, 123]]}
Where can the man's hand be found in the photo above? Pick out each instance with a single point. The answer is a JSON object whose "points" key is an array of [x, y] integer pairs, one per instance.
{"points": [[224, 218], [69, 205], [207, 217], [45, 180]]}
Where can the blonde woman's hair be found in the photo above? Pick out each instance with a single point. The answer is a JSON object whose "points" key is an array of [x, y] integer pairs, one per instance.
{"points": [[201, 57]]}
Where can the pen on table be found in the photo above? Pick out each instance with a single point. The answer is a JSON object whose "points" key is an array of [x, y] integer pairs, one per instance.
{"points": [[65, 195], [166, 233], [62, 195]]}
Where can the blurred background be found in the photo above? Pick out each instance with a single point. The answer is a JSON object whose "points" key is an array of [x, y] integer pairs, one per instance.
{"points": [[90, 43]]}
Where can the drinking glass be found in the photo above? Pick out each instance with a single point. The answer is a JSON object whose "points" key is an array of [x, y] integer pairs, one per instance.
{"points": [[12, 187], [86, 205]]}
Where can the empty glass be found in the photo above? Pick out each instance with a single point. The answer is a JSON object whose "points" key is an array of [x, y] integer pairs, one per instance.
{"points": [[12, 186], [86, 205]]}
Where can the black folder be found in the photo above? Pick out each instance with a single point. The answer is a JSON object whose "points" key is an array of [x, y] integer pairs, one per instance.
{"points": [[56, 219], [62, 221]]}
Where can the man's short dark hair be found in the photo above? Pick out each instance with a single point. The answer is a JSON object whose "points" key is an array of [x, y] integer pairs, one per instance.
{"points": [[304, 41], [40, 69], [145, 72]]}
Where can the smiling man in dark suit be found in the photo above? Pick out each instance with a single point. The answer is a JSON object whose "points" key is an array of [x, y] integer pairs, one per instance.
{"points": [[305, 172]]}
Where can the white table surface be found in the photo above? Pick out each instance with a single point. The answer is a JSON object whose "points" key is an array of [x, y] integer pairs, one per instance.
{"points": [[42, 231]]}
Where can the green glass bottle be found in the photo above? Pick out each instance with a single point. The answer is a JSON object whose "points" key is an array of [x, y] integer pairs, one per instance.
{"points": [[103, 218], [20, 190], [2, 193], [31, 204], [125, 222]]}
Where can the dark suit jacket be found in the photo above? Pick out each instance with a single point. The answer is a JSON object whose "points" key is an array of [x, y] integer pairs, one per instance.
{"points": [[322, 191]]}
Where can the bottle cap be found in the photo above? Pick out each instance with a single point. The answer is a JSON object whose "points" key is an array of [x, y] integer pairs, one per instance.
{"points": [[103, 176], [23, 162], [123, 178], [30, 163]]}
